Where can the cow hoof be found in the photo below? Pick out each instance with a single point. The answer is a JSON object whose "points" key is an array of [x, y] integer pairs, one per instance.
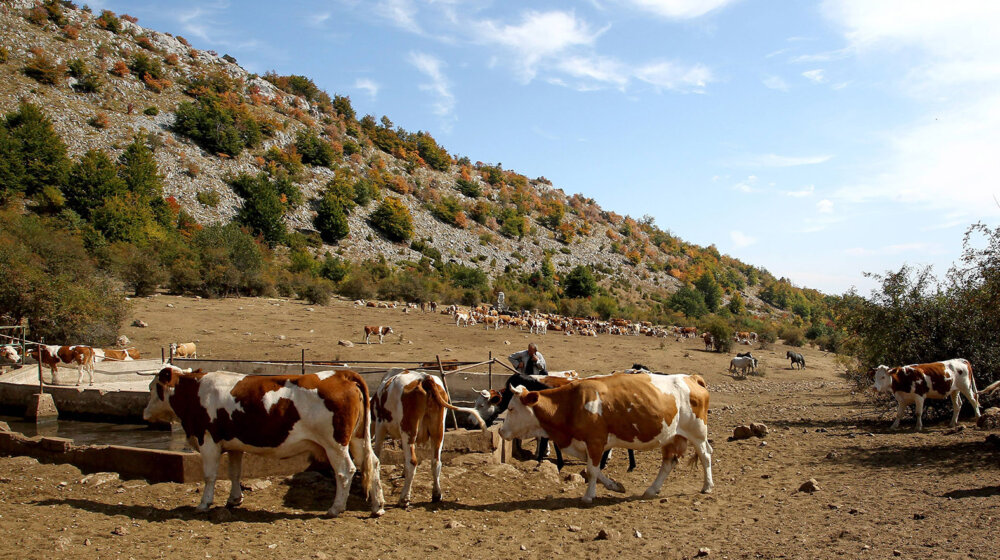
{"points": [[202, 508], [378, 513], [706, 490], [404, 504], [234, 503], [649, 494], [587, 500], [332, 513], [436, 498]]}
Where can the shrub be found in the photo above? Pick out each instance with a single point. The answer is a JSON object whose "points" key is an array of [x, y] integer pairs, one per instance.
{"points": [[4, 54], [217, 126], [109, 21], [99, 120], [792, 335], [722, 332], [171, 59], [44, 70], [152, 111], [316, 291], [333, 207], [123, 217], [138, 269], [262, 210], [208, 198], [146, 43], [448, 211], [71, 32], [120, 69], [351, 147], [314, 150], [469, 188], [688, 301], [47, 278], [393, 219], [435, 156], [364, 192], [231, 261], [86, 80]]}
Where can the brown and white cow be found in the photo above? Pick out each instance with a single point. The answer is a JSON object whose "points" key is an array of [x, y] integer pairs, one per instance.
{"points": [[709, 340], [82, 356], [324, 413], [379, 330], [409, 406], [116, 355], [688, 332], [912, 384], [634, 411], [183, 350]]}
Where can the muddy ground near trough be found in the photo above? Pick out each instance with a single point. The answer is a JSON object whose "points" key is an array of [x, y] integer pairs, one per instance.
{"points": [[881, 494]]}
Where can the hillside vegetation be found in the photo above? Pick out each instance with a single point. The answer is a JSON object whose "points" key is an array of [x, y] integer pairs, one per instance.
{"points": [[173, 168]]}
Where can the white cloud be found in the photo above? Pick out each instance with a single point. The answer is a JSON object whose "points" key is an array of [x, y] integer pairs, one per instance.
{"points": [[600, 69], [368, 86], [775, 82], [775, 160], [317, 20], [539, 35], [748, 185], [825, 206], [741, 239], [439, 86], [803, 192], [401, 13], [815, 76], [668, 75], [679, 9]]}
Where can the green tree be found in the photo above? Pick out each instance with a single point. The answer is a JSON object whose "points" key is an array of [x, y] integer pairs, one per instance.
{"points": [[92, 179], [429, 150], [332, 209], [393, 219], [217, 126], [580, 283], [262, 210], [314, 150], [688, 301], [137, 168], [736, 304], [710, 290], [32, 154]]}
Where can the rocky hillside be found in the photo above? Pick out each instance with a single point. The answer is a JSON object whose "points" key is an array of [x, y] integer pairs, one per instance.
{"points": [[102, 79]]}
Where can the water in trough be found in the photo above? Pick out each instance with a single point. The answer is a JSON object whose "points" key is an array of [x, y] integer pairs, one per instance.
{"points": [[101, 433]]}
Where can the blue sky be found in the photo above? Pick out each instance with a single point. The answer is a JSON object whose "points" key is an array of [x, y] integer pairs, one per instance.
{"points": [[819, 139]]}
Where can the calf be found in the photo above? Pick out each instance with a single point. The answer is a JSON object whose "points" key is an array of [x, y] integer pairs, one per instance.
{"points": [[635, 411], [796, 358], [409, 406], [939, 380], [380, 330], [183, 350], [325, 413]]}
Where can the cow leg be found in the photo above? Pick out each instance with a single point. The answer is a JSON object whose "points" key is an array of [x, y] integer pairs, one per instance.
{"points": [[79, 378], [604, 459], [956, 406], [559, 458], [409, 446], [437, 441], [235, 470], [343, 469], [210, 456], [631, 460], [918, 411], [543, 449], [669, 460], [704, 450], [366, 460], [973, 400], [366, 338], [380, 432], [900, 409]]}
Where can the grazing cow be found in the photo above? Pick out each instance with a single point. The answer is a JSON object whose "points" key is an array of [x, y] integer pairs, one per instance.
{"points": [[949, 379], [10, 352], [709, 341], [325, 413], [183, 350], [409, 406], [538, 325], [753, 337], [380, 330], [743, 364], [635, 411], [116, 355], [82, 356], [491, 320], [688, 332], [796, 358], [465, 318]]}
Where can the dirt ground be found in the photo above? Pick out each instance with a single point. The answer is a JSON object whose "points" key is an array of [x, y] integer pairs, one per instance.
{"points": [[881, 494]]}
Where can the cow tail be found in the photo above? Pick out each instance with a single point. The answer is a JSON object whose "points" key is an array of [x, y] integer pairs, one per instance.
{"points": [[369, 462], [440, 397], [972, 380]]}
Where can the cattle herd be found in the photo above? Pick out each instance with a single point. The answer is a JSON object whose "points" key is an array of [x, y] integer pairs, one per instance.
{"points": [[334, 416]]}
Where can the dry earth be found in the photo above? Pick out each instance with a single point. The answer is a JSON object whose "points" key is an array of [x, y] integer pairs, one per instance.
{"points": [[881, 494]]}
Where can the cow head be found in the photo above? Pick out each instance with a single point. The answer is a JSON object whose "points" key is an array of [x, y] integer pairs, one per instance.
{"points": [[521, 422], [158, 408], [10, 353], [486, 404], [883, 381]]}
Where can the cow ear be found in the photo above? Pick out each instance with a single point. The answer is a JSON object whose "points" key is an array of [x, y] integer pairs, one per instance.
{"points": [[168, 376], [495, 397], [530, 399]]}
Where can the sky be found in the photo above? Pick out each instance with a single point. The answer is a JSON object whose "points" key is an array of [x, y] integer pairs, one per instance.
{"points": [[819, 139]]}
